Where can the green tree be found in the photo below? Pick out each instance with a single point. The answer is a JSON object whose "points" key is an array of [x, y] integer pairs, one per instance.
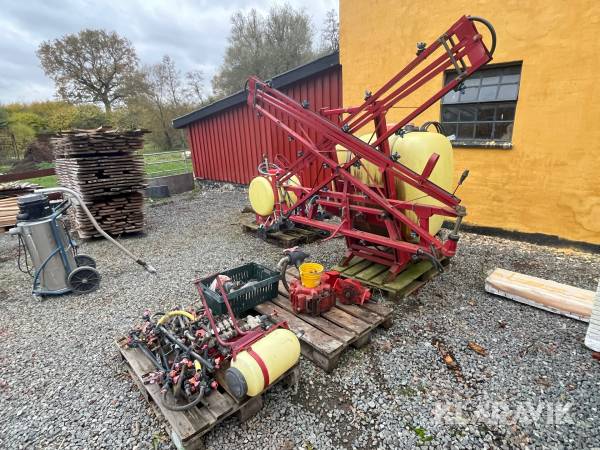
{"points": [[89, 116], [3, 118], [23, 134], [30, 119], [92, 66], [263, 46]]}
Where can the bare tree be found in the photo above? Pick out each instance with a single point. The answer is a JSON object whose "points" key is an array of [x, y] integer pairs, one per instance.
{"points": [[263, 46], [90, 66], [195, 89], [330, 33], [161, 99]]}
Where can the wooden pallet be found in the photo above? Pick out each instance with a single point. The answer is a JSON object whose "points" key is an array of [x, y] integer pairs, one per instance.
{"points": [[327, 336], [187, 428], [375, 275], [287, 238]]}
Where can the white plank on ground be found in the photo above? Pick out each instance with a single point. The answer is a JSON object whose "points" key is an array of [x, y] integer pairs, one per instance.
{"points": [[556, 297]]}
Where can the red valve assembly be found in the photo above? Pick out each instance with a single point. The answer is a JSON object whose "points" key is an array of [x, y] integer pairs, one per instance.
{"points": [[317, 300]]}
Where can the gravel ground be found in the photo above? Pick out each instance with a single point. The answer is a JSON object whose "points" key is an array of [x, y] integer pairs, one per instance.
{"points": [[62, 385]]}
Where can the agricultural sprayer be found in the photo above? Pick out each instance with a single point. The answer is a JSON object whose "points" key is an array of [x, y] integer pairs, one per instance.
{"points": [[390, 189]]}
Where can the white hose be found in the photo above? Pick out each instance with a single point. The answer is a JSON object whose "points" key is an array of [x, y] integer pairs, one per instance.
{"points": [[79, 201]]}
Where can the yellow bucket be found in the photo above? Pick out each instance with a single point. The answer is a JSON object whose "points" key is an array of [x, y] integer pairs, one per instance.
{"points": [[310, 274]]}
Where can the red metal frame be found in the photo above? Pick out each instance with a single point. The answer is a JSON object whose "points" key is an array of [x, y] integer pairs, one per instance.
{"points": [[343, 194]]}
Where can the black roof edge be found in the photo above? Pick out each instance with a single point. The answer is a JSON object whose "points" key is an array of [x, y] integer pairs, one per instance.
{"points": [[278, 81]]}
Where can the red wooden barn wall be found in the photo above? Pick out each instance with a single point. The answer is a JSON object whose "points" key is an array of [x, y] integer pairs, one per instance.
{"points": [[228, 145]]}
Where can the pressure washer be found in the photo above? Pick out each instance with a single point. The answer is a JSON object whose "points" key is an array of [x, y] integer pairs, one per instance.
{"points": [[46, 243]]}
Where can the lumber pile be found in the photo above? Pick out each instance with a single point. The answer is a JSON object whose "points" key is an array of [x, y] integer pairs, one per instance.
{"points": [[8, 201], [545, 294], [104, 168]]}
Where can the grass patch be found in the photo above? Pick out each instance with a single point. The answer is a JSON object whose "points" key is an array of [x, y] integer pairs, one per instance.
{"points": [[45, 182], [421, 434]]}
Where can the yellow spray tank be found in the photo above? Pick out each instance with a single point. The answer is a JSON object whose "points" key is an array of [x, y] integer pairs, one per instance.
{"points": [[262, 198], [414, 149], [278, 352]]}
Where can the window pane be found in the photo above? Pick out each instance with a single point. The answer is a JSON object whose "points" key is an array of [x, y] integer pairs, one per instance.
{"points": [[486, 112], [449, 114], [467, 113], [465, 130], [473, 80], [470, 95], [511, 74], [511, 78], [487, 93], [483, 130], [449, 129], [490, 80], [451, 97], [508, 92], [506, 112], [503, 131]]}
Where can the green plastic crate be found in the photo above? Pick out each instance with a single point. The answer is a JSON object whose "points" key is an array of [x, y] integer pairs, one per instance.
{"points": [[246, 298]]}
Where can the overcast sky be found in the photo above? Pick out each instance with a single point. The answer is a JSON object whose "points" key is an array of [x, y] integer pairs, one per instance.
{"points": [[194, 33]]}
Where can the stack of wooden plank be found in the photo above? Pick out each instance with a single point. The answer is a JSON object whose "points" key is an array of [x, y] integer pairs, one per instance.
{"points": [[8, 201], [104, 168]]}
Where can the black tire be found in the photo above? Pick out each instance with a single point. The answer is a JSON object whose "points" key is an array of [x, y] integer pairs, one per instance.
{"points": [[85, 260], [84, 279]]}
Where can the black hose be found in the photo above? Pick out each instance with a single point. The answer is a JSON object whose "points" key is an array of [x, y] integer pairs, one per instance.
{"points": [[190, 405], [438, 126], [284, 266], [489, 26], [184, 347], [22, 248], [150, 355]]}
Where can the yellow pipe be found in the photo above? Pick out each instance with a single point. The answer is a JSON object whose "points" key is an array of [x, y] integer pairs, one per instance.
{"points": [[177, 312]]}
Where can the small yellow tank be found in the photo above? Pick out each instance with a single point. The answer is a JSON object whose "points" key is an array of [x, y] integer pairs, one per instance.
{"points": [[279, 351], [262, 197], [414, 149]]}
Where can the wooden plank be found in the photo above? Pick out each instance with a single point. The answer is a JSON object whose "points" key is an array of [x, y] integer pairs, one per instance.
{"points": [[371, 272], [219, 404], [316, 338], [361, 313], [345, 320], [341, 334], [405, 277], [356, 268], [354, 261], [555, 297], [139, 362], [378, 308]]}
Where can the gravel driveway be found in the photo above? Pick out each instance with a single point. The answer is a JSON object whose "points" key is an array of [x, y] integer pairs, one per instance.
{"points": [[62, 385]]}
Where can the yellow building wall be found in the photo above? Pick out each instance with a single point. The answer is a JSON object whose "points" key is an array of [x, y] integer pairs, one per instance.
{"points": [[549, 182]]}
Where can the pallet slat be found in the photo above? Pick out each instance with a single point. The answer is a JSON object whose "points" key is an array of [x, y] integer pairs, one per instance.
{"points": [[376, 275], [340, 333]]}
